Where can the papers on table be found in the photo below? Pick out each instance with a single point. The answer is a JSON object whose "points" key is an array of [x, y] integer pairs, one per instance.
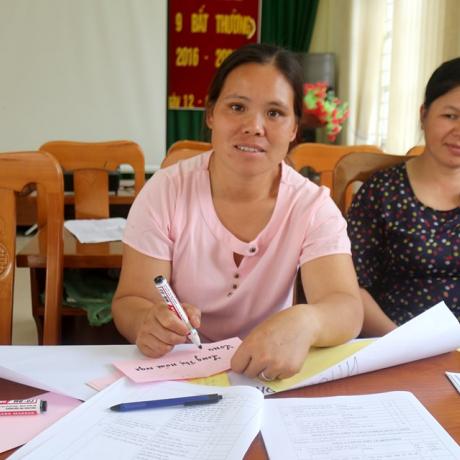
{"points": [[62, 369], [360, 426], [432, 333], [67, 369], [179, 364], [378, 426], [223, 430], [454, 377], [96, 230], [19, 429]]}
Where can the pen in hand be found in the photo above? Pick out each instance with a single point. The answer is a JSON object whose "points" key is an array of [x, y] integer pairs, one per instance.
{"points": [[183, 401], [173, 304]]}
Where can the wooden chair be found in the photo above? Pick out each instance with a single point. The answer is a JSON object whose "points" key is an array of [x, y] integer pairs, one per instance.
{"points": [[416, 150], [359, 166], [17, 170], [188, 144], [90, 163], [323, 158], [182, 150]]}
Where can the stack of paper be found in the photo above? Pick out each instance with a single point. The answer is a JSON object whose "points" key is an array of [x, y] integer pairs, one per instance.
{"points": [[381, 426], [357, 424], [223, 430]]}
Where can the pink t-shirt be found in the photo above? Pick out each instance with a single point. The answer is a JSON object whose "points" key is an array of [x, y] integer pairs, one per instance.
{"points": [[173, 218]]}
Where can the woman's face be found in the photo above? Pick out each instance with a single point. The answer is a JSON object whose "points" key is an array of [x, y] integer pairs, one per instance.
{"points": [[441, 123], [253, 120]]}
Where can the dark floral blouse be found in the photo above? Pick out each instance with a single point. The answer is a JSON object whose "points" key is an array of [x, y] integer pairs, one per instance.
{"points": [[406, 254]]}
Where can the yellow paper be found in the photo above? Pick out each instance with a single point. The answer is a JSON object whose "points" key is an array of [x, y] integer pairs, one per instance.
{"points": [[318, 360], [218, 380]]}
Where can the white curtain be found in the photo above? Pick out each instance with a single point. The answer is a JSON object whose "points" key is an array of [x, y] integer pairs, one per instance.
{"points": [[421, 42], [424, 34], [88, 70]]}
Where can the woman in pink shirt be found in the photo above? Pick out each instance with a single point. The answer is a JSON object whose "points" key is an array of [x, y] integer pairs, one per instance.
{"points": [[230, 228]]}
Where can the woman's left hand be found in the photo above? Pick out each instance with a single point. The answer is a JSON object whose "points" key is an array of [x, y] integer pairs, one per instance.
{"points": [[277, 347]]}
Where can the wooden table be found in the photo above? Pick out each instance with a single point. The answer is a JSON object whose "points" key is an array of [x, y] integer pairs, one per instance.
{"points": [[424, 378], [26, 204], [76, 255]]}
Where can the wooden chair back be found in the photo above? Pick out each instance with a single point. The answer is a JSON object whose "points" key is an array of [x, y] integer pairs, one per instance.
{"points": [[182, 150], [18, 170], [90, 163], [190, 145], [359, 166], [416, 150], [323, 158]]}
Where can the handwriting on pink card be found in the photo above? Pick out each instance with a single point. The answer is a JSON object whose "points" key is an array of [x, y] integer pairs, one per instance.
{"points": [[184, 364]]}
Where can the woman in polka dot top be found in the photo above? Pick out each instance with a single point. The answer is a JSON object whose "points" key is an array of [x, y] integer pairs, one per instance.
{"points": [[404, 223]]}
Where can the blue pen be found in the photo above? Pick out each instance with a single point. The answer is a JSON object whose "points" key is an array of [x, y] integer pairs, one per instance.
{"points": [[184, 401]]}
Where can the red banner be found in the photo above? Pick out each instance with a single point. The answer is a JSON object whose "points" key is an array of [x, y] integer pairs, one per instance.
{"points": [[201, 34]]}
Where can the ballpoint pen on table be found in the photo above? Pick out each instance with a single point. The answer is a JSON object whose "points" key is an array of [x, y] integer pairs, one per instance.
{"points": [[183, 401], [170, 298]]}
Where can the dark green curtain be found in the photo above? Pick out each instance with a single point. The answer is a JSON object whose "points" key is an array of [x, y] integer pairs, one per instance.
{"points": [[287, 23]]}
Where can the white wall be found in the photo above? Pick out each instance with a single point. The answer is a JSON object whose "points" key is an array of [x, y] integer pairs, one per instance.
{"points": [[88, 70]]}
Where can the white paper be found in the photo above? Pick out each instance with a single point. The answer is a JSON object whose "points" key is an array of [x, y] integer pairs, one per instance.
{"points": [[223, 430], [433, 332], [62, 369], [392, 425], [96, 230], [65, 369], [454, 377]]}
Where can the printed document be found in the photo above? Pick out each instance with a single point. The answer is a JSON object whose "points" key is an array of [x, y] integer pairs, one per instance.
{"points": [[380, 426], [92, 431]]}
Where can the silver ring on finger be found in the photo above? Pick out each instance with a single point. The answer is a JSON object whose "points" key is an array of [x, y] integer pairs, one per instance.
{"points": [[263, 377]]}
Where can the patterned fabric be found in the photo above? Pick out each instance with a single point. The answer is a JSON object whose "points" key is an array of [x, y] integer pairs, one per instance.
{"points": [[406, 254]]}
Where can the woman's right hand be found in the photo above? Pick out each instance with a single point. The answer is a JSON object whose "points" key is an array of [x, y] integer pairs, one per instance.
{"points": [[161, 329]]}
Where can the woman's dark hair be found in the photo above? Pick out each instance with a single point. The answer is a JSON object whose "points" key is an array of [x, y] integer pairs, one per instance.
{"points": [[444, 78], [261, 53]]}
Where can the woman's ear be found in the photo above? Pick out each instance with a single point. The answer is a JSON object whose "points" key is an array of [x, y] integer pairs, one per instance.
{"points": [[423, 113], [209, 117], [294, 132]]}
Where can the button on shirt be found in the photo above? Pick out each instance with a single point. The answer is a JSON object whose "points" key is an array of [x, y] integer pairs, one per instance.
{"points": [[173, 218]]}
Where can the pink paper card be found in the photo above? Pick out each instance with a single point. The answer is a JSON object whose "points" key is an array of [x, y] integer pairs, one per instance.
{"points": [[100, 383], [18, 429], [179, 365]]}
